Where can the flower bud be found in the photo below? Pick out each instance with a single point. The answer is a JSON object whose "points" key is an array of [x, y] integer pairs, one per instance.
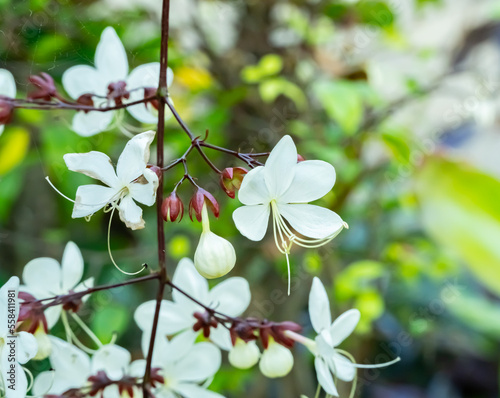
{"points": [[44, 344], [230, 180], [214, 256], [276, 361], [244, 355], [172, 207], [46, 88], [199, 199], [6, 110]]}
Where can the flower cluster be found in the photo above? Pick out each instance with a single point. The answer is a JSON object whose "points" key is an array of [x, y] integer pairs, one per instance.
{"points": [[183, 339]]}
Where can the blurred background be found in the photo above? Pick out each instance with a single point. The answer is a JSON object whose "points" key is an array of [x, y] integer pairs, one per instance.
{"points": [[400, 96]]}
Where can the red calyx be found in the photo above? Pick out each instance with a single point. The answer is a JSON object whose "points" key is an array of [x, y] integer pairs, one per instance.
{"points": [[300, 158], [196, 203], [31, 314], [242, 330], [150, 92], [205, 321], [86, 100], [46, 88], [6, 110], [118, 92], [172, 207], [231, 179]]}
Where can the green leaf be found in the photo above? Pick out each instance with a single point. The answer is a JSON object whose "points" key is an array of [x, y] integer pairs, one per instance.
{"points": [[109, 321], [269, 65], [478, 313], [342, 102], [272, 88], [461, 210]]}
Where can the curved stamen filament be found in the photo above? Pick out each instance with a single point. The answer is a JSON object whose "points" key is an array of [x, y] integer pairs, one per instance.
{"points": [[109, 247]]}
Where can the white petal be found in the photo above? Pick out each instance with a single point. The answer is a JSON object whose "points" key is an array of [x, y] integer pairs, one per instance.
{"points": [[71, 364], [130, 213], [43, 384], [279, 170], [194, 391], [86, 284], [231, 297], [110, 57], [325, 378], [91, 123], [112, 359], [199, 364], [252, 221], [313, 179], [21, 383], [344, 369], [134, 158], [83, 79], [145, 193], [180, 345], [43, 275], [173, 318], [137, 368], [319, 306], [52, 315], [7, 84], [93, 164], [72, 267], [27, 347], [221, 337], [344, 325], [253, 190], [192, 283], [312, 221], [91, 198], [147, 75]]}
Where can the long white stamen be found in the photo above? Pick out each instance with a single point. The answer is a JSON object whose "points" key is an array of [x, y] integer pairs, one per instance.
{"points": [[57, 190], [359, 366], [111, 254], [87, 330]]}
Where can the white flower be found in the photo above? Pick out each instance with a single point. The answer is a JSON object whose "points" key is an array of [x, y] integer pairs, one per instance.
{"points": [[231, 297], [21, 346], [283, 187], [44, 277], [330, 361], [7, 88], [132, 181], [276, 361], [72, 367], [214, 256], [111, 66], [244, 355], [183, 365]]}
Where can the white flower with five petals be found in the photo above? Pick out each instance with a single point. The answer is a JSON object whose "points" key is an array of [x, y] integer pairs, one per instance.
{"points": [[330, 361], [111, 66], [72, 367], [23, 345], [284, 187], [186, 367], [7, 88], [44, 277], [131, 181], [231, 297]]}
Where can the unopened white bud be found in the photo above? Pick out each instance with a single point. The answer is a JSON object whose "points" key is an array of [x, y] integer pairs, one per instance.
{"points": [[214, 256], [276, 361], [244, 355], [44, 344]]}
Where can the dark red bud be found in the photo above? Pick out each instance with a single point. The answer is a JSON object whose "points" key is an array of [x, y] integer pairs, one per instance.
{"points": [[151, 92], [85, 99], [46, 88], [205, 321], [172, 207], [6, 110], [300, 158], [200, 198], [118, 92], [231, 179], [31, 314], [157, 171]]}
